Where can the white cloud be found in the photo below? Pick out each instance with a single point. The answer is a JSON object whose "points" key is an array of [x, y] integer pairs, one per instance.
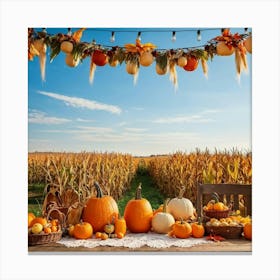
{"points": [[38, 117], [134, 129], [83, 103], [84, 120], [183, 119]]}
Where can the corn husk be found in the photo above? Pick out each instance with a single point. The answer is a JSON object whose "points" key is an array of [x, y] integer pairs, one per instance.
{"points": [[173, 73], [204, 67], [92, 71], [238, 63], [78, 35], [42, 59]]}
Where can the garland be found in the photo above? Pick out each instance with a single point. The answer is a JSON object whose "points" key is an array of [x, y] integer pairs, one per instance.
{"points": [[138, 54]]}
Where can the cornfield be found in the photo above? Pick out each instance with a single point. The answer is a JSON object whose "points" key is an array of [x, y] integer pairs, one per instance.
{"points": [[112, 171], [172, 172]]}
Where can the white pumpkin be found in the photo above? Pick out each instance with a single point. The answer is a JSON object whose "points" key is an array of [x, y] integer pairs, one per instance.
{"points": [[66, 47], [162, 222], [70, 61], [180, 207], [182, 61], [248, 44], [146, 58], [223, 49], [131, 68]]}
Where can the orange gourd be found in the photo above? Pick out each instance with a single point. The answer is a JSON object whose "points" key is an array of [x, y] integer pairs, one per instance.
{"points": [[247, 230], [138, 213], [82, 230], [198, 229], [182, 229], [39, 220], [191, 64], [31, 217], [120, 226], [100, 210]]}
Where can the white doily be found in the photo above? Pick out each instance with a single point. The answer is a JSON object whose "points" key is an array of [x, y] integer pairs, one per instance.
{"points": [[135, 240]]}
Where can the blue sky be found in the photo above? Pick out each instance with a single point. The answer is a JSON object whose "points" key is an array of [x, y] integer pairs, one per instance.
{"points": [[67, 113]]}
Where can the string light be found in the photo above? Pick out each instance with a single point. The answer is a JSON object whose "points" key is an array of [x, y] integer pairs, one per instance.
{"points": [[139, 36], [69, 31], [112, 39], [246, 30], [222, 30], [173, 38], [198, 35]]}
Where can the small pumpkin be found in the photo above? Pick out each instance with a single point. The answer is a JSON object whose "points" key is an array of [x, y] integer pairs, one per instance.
{"points": [[104, 236], [192, 63], [162, 222], [120, 226], [40, 220], [82, 230], [66, 46], [100, 209], [138, 213], [71, 230], [160, 209], [99, 58], [248, 44], [70, 61], [146, 59], [198, 229], [180, 207], [31, 217], [182, 61], [224, 50], [182, 229], [247, 230], [132, 68]]}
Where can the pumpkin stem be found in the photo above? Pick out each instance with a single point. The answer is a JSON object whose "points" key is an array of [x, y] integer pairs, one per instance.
{"points": [[138, 194], [165, 205], [98, 189], [181, 193], [199, 220]]}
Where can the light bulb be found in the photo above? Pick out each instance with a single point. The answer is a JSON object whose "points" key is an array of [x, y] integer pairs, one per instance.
{"points": [[173, 38], [139, 36], [112, 39], [198, 35]]}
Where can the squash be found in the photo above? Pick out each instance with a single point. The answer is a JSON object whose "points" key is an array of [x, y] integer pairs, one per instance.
{"points": [[162, 222], [146, 58], [66, 47], [138, 213], [83, 230], [31, 217], [180, 207], [109, 228], [100, 210], [224, 50], [120, 226], [247, 231], [99, 58], [198, 229], [70, 61], [191, 64], [182, 229], [132, 68], [182, 61], [161, 71]]}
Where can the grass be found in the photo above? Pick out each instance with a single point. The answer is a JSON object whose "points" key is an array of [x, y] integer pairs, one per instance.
{"points": [[149, 191]]}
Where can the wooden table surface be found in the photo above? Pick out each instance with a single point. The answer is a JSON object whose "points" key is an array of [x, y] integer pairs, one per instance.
{"points": [[230, 245]]}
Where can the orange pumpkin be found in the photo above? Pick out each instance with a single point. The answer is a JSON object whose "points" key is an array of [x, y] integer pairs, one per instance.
{"points": [[100, 210], [160, 209], [31, 217], [182, 229], [191, 64], [198, 229], [39, 220], [82, 230], [247, 230], [99, 58], [120, 226], [138, 213]]}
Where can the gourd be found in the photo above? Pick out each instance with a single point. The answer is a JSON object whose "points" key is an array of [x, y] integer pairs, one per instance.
{"points": [[192, 63], [66, 46], [83, 230], [182, 229], [247, 231], [100, 210], [70, 61], [180, 207], [120, 226], [146, 58], [132, 68], [138, 213], [162, 222], [224, 50], [248, 44], [198, 229], [182, 61], [99, 58]]}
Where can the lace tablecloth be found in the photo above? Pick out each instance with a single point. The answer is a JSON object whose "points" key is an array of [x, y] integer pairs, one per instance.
{"points": [[135, 240]]}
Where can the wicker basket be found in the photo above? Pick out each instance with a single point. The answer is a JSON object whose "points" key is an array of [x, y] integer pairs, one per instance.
{"points": [[217, 214], [43, 238], [230, 232]]}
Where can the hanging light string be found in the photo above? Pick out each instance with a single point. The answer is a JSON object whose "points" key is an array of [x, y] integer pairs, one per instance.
{"points": [[139, 33]]}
